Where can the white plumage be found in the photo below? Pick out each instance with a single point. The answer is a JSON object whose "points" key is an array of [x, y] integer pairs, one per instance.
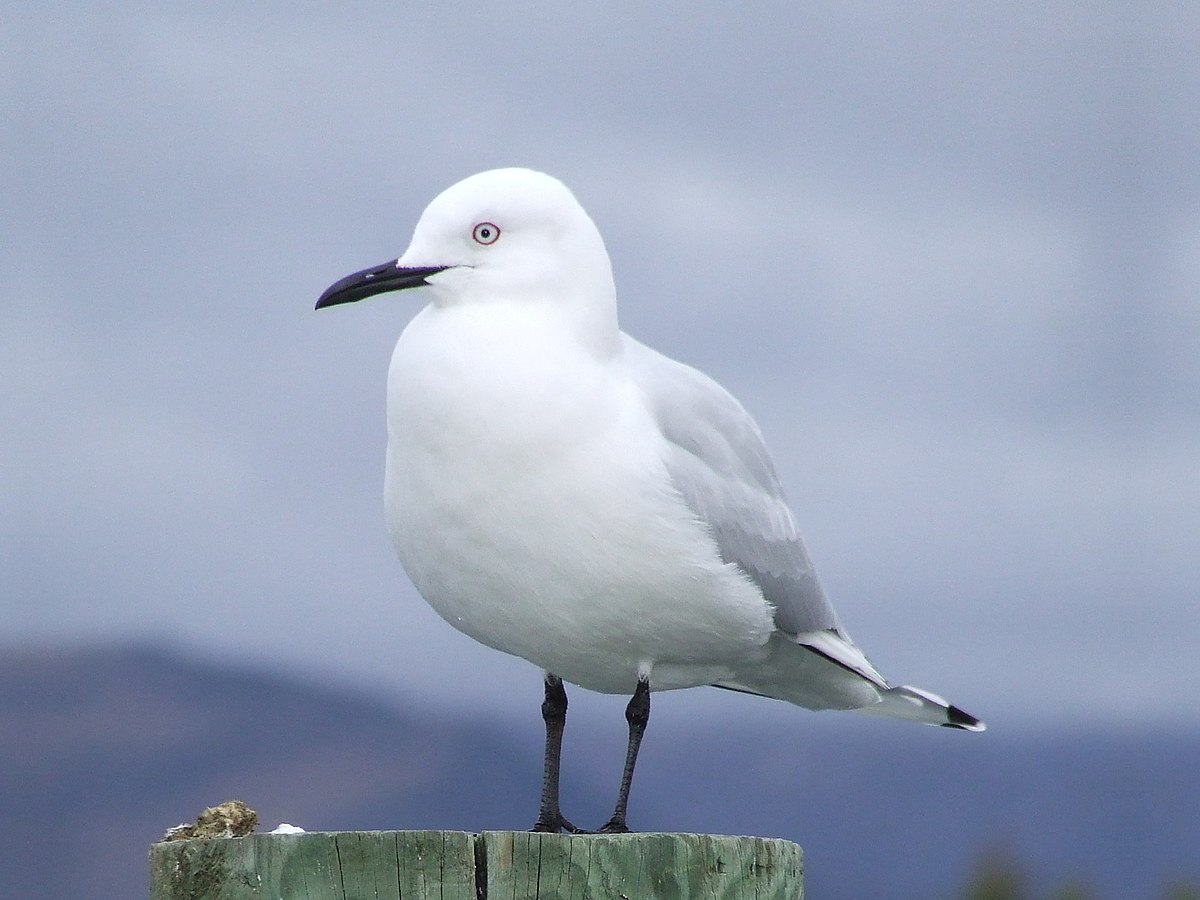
{"points": [[561, 492]]}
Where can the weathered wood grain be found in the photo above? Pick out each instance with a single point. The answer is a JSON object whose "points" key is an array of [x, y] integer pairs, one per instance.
{"points": [[496, 865]]}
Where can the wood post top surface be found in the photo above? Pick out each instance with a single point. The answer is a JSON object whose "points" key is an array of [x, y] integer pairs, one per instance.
{"points": [[458, 865]]}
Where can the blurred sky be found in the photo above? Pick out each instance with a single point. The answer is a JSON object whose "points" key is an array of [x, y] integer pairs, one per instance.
{"points": [[947, 254]]}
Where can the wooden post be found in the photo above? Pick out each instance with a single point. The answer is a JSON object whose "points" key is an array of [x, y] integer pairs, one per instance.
{"points": [[455, 865]]}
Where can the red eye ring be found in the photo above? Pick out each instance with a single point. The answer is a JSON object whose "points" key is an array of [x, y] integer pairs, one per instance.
{"points": [[485, 233]]}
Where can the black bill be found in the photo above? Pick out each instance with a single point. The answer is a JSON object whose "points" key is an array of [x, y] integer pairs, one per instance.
{"points": [[376, 280]]}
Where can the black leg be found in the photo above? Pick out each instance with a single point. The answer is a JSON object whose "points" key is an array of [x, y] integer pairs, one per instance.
{"points": [[554, 713], [637, 714]]}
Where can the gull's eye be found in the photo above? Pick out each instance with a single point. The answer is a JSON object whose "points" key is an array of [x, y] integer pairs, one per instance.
{"points": [[485, 233]]}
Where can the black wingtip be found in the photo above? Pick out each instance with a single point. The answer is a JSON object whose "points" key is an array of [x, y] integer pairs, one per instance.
{"points": [[963, 720]]}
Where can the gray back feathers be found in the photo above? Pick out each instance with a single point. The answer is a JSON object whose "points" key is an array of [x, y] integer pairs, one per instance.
{"points": [[719, 463]]}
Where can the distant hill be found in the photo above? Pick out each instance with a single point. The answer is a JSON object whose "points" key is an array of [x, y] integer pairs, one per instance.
{"points": [[101, 749]]}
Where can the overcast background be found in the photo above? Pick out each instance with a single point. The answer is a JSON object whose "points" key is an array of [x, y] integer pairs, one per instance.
{"points": [[947, 255]]}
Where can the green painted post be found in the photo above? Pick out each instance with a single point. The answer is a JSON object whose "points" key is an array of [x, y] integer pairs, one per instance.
{"points": [[454, 865]]}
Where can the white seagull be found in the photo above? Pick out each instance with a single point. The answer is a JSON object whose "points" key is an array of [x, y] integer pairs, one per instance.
{"points": [[561, 492]]}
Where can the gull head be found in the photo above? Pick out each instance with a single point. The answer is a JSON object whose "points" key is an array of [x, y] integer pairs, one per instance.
{"points": [[506, 235]]}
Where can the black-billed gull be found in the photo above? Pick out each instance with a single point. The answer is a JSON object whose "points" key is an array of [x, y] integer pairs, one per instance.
{"points": [[561, 492]]}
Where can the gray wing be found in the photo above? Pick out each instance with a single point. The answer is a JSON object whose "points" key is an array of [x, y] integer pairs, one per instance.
{"points": [[719, 463]]}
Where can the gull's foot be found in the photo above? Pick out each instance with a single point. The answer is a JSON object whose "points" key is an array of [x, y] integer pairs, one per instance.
{"points": [[555, 824], [614, 826]]}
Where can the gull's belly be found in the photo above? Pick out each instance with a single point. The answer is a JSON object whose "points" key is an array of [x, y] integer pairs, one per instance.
{"points": [[590, 582], [544, 525]]}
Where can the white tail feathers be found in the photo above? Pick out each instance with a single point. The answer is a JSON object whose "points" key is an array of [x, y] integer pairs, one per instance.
{"points": [[830, 672], [903, 702]]}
